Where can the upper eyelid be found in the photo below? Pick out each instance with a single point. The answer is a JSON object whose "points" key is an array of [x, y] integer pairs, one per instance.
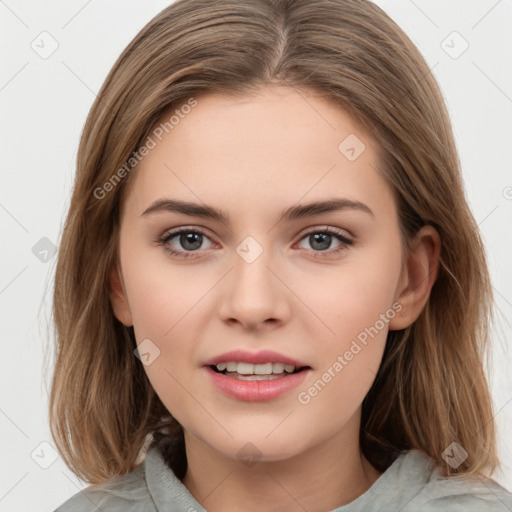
{"points": [[202, 231], [171, 233], [330, 229]]}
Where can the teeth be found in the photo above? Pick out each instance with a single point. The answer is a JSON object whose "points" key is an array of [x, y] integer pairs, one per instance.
{"points": [[277, 368], [245, 368], [255, 369], [255, 377], [262, 369]]}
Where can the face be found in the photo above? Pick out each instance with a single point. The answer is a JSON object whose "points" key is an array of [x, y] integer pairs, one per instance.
{"points": [[246, 265]]}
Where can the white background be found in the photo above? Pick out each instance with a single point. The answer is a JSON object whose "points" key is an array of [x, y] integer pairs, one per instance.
{"points": [[43, 106]]}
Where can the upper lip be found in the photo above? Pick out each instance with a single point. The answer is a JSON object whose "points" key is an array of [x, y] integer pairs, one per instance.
{"points": [[261, 357]]}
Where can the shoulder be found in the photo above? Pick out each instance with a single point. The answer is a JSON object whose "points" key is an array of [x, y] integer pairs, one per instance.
{"points": [[413, 484], [150, 487], [127, 492], [453, 494], [465, 494]]}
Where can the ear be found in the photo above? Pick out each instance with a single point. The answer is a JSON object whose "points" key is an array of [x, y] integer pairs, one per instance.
{"points": [[118, 297], [418, 277]]}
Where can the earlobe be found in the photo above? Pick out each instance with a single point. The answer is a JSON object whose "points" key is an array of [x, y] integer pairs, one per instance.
{"points": [[420, 274], [118, 297]]}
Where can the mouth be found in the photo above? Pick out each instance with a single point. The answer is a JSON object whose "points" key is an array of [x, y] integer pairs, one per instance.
{"points": [[260, 382], [258, 372], [255, 376]]}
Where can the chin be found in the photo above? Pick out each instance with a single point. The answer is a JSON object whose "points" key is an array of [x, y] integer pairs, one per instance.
{"points": [[255, 447]]}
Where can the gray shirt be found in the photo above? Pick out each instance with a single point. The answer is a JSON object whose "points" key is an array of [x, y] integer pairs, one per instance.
{"points": [[408, 485]]}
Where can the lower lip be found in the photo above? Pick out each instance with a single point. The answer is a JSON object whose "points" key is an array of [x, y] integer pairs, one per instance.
{"points": [[255, 390]]}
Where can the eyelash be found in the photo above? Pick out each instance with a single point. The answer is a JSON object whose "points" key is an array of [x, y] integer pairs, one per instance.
{"points": [[163, 241]]}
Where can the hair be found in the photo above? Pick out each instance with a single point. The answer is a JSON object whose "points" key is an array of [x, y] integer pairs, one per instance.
{"points": [[431, 388]]}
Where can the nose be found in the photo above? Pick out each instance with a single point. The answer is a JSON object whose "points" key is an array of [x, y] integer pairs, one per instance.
{"points": [[253, 296]]}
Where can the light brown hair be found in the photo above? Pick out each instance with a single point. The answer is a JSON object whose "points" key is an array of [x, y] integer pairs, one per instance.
{"points": [[431, 388]]}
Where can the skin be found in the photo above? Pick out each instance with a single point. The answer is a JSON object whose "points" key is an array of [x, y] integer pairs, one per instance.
{"points": [[253, 157]]}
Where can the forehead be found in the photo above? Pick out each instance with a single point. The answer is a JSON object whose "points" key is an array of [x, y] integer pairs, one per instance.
{"points": [[275, 146]]}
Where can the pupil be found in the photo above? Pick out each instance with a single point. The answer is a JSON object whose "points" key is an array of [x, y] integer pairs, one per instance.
{"points": [[194, 239], [323, 239]]}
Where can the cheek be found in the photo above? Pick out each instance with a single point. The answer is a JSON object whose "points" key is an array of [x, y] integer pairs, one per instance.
{"points": [[355, 306], [163, 296], [165, 302], [351, 298]]}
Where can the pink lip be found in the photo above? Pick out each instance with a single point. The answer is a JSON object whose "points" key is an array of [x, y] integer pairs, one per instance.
{"points": [[254, 390], [261, 357]]}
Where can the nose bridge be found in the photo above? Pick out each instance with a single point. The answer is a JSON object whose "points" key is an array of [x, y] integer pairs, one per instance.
{"points": [[252, 277], [254, 294]]}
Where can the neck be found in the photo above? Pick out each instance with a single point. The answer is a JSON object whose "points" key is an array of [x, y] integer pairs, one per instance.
{"points": [[323, 477]]}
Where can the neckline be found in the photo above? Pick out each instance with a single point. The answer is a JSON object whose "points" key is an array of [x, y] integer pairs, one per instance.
{"points": [[377, 487], [166, 488]]}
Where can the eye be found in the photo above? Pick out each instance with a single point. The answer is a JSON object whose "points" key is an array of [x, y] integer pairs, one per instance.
{"points": [[188, 242], [184, 242], [321, 240]]}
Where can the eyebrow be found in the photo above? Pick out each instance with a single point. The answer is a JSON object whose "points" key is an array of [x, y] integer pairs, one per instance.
{"points": [[291, 213]]}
